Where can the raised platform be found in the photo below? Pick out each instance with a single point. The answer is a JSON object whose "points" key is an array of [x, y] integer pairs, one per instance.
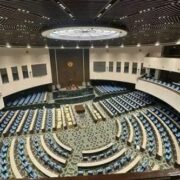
{"points": [[73, 96]]}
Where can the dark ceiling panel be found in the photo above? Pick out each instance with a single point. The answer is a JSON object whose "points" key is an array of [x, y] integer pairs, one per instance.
{"points": [[147, 21], [85, 9]]}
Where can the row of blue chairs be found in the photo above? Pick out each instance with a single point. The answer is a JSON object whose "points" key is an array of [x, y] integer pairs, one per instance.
{"points": [[25, 164], [108, 89], [6, 120], [49, 117], [105, 169], [14, 126], [97, 156], [164, 135], [168, 122], [55, 147], [4, 165], [151, 146], [35, 98], [28, 121], [170, 85], [39, 120], [43, 156]]}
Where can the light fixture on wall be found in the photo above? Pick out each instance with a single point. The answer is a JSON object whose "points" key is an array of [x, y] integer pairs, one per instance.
{"points": [[8, 45], [157, 43], [62, 47], [138, 44], [107, 46], [28, 46], [122, 46], [84, 33], [46, 46], [92, 46], [178, 42], [77, 46]]}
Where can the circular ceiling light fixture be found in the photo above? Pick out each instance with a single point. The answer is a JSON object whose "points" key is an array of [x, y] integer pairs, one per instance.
{"points": [[84, 33]]}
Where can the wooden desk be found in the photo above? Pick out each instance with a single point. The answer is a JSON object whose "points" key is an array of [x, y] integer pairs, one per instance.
{"points": [[79, 109]]}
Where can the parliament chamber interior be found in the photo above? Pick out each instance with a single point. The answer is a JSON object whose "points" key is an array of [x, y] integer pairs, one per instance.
{"points": [[90, 89]]}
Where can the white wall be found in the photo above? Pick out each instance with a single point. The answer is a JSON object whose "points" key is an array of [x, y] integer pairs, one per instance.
{"points": [[128, 54], [19, 57], [167, 95], [169, 64]]}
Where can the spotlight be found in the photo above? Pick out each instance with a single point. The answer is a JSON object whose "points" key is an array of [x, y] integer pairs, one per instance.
{"points": [[138, 45], [92, 46], [122, 45], [107, 46], [77, 46]]}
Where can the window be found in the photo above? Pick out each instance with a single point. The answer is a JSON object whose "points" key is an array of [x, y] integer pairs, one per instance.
{"points": [[143, 70], [118, 67], [15, 73], [39, 70], [4, 75], [126, 67], [111, 66], [134, 68], [25, 72], [99, 66]]}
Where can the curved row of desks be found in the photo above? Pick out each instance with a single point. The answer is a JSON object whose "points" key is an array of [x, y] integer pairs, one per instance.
{"points": [[51, 153], [98, 150], [67, 148], [130, 166], [173, 139], [159, 152], [102, 162], [13, 164], [119, 129], [144, 135], [36, 163], [131, 131]]}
